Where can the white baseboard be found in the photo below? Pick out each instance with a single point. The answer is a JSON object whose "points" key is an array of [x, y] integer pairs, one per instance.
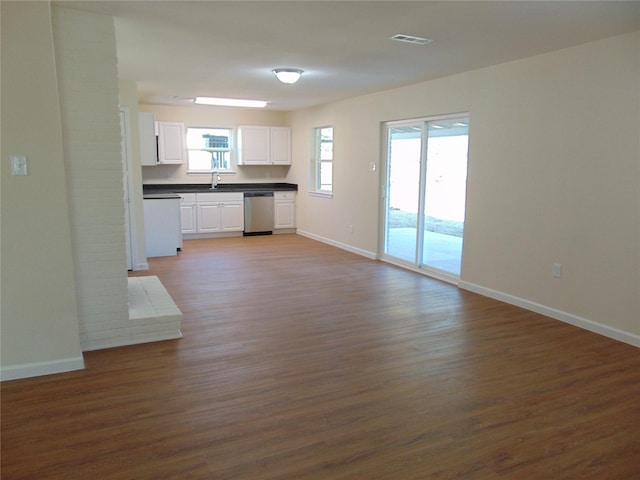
{"points": [[128, 341], [199, 236], [343, 246], [599, 328], [36, 369], [569, 318]]}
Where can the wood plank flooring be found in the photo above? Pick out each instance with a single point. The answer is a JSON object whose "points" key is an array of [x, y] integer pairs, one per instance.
{"points": [[302, 361]]}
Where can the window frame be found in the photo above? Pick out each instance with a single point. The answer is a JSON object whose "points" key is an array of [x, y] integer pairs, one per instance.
{"points": [[317, 161], [230, 149]]}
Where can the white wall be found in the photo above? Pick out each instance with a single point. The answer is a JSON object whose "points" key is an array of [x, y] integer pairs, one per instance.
{"points": [[211, 116], [554, 176], [86, 61], [39, 328]]}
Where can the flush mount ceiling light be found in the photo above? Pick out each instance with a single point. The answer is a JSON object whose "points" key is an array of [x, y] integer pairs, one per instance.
{"points": [[230, 102], [288, 75], [401, 37]]}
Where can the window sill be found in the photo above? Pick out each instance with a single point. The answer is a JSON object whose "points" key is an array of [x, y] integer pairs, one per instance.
{"points": [[321, 194], [197, 172]]}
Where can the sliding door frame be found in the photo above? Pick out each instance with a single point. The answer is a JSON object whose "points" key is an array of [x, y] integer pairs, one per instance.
{"points": [[418, 265]]}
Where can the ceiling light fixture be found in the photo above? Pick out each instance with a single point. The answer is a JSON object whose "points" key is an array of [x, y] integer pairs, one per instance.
{"points": [[288, 75], [230, 102], [401, 37]]}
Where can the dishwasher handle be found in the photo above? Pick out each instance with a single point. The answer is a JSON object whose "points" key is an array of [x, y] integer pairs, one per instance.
{"points": [[258, 194]]}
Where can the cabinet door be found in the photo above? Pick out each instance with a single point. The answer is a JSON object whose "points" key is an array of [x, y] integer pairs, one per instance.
{"points": [[188, 218], [170, 142], [285, 215], [209, 217], [280, 146], [148, 139], [253, 146], [232, 217]]}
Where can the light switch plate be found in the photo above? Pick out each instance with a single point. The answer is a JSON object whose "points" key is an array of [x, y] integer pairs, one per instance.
{"points": [[19, 165]]}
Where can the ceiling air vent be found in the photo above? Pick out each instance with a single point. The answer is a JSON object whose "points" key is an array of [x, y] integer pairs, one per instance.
{"points": [[401, 37]]}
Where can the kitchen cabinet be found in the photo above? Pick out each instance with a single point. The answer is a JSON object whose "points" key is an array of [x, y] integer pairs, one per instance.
{"points": [[188, 220], [148, 139], [161, 143], [284, 209], [259, 145], [219, 212], [280, 147], [170, 143]]}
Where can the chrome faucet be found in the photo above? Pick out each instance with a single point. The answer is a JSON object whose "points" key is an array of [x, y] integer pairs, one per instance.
{"points": [[215, 178]]}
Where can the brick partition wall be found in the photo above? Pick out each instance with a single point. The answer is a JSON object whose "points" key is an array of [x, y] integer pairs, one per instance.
{"points": [[86, 63]]}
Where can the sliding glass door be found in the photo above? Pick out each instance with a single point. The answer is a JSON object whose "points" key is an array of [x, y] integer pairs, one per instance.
{"points": [[425, 185]]}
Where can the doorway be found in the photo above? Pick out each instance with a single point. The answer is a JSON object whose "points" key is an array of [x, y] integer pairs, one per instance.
{"points": [[424, 194]]}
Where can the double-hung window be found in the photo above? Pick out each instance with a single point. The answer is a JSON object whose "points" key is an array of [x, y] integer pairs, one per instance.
{"points": [[209, 149], [322, 160]]}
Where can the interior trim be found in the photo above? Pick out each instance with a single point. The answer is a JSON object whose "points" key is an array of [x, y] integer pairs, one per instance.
{"points": [[607, 331], [36, 369], [333, 243]]}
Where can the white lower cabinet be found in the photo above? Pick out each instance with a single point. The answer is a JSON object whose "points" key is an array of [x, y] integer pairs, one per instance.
{"points": [[209, 217], [232, 216], [212, 213], [188, 220], [284, 210]]}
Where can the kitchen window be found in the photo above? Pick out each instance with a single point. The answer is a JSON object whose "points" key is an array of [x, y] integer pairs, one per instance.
{"points": [[209, 149], [322, 161]]}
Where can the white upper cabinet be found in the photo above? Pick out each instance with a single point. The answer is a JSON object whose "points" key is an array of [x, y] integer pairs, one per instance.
{"points": [[253, 146], [160, 142], [258, 145], [148, 142], [280, 145], [170, 143]]}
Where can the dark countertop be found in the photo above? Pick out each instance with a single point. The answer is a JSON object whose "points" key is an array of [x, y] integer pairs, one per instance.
{"points": [[159, 196], [165, 188]]}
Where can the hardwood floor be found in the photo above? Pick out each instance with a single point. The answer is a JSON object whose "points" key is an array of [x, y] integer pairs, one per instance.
{"points": [[302, 361]]}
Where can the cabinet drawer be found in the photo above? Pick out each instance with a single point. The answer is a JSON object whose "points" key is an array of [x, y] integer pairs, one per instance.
{"points": [[219, 197], [188, 197], [284, 196]]}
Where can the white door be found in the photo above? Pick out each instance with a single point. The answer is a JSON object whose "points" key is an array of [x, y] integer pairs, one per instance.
{"points": [[425, 185]]}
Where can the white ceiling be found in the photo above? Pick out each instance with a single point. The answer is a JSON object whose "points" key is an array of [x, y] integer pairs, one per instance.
{"points": [[177, 50]]}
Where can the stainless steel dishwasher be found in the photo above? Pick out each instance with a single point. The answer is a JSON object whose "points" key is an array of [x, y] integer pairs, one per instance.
{"points": [[258, 213]]}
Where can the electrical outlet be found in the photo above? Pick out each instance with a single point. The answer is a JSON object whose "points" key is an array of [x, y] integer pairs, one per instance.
{"points": [[557, 270], [19, 165]]}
